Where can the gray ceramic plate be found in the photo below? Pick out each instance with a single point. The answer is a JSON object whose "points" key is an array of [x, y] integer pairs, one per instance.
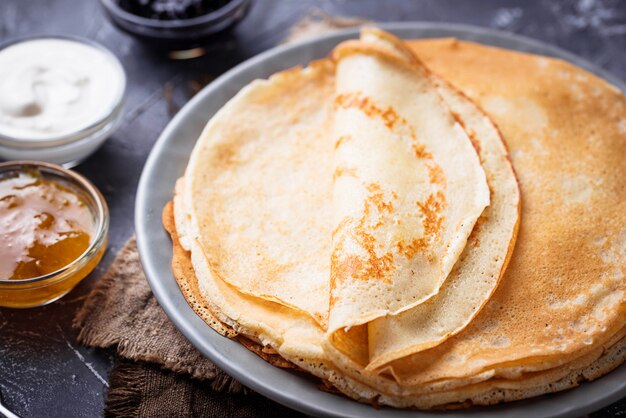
{"points": [[167, 162]]}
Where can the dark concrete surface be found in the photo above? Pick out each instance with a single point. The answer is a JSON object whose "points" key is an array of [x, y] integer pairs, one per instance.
{"points": [[43, 371]]}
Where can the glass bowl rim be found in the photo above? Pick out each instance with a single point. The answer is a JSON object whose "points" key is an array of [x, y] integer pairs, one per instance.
{"points": [[101, 213]]}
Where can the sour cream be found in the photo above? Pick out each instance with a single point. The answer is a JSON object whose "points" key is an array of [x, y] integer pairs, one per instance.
{"points": [[52, 87]]}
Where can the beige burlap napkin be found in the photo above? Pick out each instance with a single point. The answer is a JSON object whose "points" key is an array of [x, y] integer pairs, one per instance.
{"points": [[157, 372]]}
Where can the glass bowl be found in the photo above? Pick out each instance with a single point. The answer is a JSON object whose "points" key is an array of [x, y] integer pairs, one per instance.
{"points": [[44, 289], [70, 149], [183, 38]]}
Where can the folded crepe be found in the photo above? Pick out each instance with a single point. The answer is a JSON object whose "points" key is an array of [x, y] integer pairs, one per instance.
{"points": [[294, 247], [481, 265], [408, 184]]}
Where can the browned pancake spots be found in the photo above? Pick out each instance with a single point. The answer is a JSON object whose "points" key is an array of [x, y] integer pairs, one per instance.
{"points": [[224, 155], [341, 140], [378, 224], [372, 267], [272, 267], [344, 171], [357, 268], [342, 226], [365, 104], [418, 245], [432, 210], [420, 152], [376, 197], [388, 115], [354, 100], [435, 174], [352, 266], [392, 120], [475, 144]]}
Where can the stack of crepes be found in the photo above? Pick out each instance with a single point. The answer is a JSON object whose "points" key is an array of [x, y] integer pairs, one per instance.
{"points": [[355, 218]]}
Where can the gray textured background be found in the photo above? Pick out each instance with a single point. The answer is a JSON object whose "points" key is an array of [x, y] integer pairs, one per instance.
{"points": [[43, 371]]}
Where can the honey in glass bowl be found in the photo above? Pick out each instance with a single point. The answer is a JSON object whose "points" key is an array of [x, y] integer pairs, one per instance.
{"points": [[53, 232]]}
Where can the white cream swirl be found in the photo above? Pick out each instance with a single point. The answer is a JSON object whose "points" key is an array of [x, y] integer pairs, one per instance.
{"points": [[53, 87]]}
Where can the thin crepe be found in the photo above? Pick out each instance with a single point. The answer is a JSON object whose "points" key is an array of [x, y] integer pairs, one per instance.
{"points": [[408, 184]]}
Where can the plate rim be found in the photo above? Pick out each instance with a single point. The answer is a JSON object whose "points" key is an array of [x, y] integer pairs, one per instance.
{"points": [[185, 319]]}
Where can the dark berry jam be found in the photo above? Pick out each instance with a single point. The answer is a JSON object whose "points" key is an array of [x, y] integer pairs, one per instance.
{"points": [[171, 9]]}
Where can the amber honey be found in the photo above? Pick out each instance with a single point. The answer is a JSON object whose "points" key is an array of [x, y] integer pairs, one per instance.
{"points": [[53, 226]]}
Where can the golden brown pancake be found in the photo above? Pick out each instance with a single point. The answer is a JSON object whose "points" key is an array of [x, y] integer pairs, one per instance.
{"points": [[557, 317]]}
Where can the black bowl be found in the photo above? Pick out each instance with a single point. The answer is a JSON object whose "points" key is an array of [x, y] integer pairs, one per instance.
{"points": [[181, 34]]}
